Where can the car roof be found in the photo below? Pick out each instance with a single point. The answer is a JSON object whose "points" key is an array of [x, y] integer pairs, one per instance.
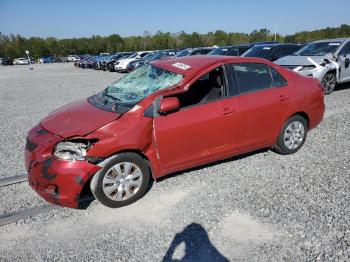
{"points": [[276, 44], [188, 65], [332, 40]]}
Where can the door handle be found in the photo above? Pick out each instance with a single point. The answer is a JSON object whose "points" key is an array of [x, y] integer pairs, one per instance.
{"points": [[284, 97]]}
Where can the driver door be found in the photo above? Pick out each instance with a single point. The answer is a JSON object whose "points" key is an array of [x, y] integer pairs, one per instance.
{"points": [[195, 134]]}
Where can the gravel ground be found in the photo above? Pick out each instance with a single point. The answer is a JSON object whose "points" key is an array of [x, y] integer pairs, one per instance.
{"points": [[259, 207]]}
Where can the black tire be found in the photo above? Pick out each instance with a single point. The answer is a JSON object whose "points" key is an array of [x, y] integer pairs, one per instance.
{"points": [[281, 147], [96, 184], [329, 82]]}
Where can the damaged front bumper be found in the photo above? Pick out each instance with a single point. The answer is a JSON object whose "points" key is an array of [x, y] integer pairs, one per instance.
{"points": [[317, 70], [58, 181]]}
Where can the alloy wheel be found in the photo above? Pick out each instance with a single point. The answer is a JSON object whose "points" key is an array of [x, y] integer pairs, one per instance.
{"points": [[329, 83], [294, 135]]}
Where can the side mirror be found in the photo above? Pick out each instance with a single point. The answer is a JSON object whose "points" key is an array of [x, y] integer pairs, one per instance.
{"points": [[168, 105]]}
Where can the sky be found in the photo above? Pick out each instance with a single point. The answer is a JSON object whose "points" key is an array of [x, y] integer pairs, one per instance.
{"points": [[79, 18]]}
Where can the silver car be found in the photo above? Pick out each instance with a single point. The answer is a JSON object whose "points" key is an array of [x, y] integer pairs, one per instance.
{"points": [[327, 60]]}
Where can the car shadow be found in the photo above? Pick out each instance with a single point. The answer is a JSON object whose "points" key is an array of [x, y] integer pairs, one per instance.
{"points": [[86, 197], [342, 87], [197, 246], [234, 158]]}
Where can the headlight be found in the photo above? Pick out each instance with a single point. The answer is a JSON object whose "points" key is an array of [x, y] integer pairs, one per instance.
{"points": [[71, 150]]}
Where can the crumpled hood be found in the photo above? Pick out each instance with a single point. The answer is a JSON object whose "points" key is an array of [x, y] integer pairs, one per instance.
{"points": [[301, 60], [77, 119]]}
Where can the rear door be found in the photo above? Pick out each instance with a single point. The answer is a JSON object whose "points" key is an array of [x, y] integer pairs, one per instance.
{"points": [[263, 104]]}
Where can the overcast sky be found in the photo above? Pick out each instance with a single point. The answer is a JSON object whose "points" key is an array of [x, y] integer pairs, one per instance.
{"points": [[76, 18]]}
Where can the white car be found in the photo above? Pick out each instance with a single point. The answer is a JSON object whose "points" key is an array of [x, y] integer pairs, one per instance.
{"points": [[120, 65], [327, 60], [73, 58], [21, 61]]}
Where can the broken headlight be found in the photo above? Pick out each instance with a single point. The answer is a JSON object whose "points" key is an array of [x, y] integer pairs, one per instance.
{"points": [[71, 150]]}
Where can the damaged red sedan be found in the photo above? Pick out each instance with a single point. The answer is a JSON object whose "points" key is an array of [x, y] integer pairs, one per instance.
{"points": [[165, 117]]}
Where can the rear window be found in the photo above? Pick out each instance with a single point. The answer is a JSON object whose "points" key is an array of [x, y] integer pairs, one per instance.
{"points": [[253, 77]]}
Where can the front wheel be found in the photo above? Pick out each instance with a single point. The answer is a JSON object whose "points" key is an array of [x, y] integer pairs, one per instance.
{"points": [[292, 136], [122, 181], [329, 82]]}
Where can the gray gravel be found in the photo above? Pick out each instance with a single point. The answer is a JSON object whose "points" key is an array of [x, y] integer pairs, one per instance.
{"points": [[260, 207]]}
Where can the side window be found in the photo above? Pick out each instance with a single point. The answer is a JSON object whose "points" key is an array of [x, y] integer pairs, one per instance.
{"points": [[243, 49], [142, 55], [345, 50], [232, 52], [277, 79], [208, 88], [204, 51], [252, 77], [282, 51], [196, 52]]}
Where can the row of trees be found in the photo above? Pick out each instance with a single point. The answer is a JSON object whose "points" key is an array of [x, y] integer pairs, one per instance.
{"points": [[15, 45]]}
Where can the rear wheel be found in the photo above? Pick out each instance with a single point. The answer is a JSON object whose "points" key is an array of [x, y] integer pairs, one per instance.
{"points": [[329, 82], [122, 181], [292, 136]]}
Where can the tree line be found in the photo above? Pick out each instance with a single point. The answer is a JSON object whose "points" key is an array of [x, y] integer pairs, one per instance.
{"points": [[15, 45]]}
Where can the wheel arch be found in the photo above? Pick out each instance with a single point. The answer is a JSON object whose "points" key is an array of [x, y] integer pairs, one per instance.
{"points": [[304, 115]]}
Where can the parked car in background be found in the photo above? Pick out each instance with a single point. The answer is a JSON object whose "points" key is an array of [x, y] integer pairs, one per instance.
{"points": [[96, 63], [21, 61], [6, 61], [327, 60], [163, 54], [46, 59], [73, 58], [236, 50], [147, 125], [120, 65], [109, 63], [194, 51], [139, 62], [82, 58], [272, 52], [60, 59]]}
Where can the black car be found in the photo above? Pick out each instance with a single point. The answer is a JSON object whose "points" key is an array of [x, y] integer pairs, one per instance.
{"points": [[236, 50], [6, 61], [194, 51], [272, 52]]}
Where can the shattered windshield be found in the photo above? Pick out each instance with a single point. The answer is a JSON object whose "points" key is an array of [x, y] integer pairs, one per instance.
{"points": [[140, 83], [318, 49]]}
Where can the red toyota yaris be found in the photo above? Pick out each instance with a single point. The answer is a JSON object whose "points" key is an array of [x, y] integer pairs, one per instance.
{"points": [[165, 117]]}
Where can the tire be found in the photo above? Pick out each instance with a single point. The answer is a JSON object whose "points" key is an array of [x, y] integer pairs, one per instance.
{"points": [[289, 142], [329, 82], [122, 181]]}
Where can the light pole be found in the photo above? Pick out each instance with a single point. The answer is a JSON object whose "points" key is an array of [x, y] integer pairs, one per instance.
{"points": [[30, 64]]}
